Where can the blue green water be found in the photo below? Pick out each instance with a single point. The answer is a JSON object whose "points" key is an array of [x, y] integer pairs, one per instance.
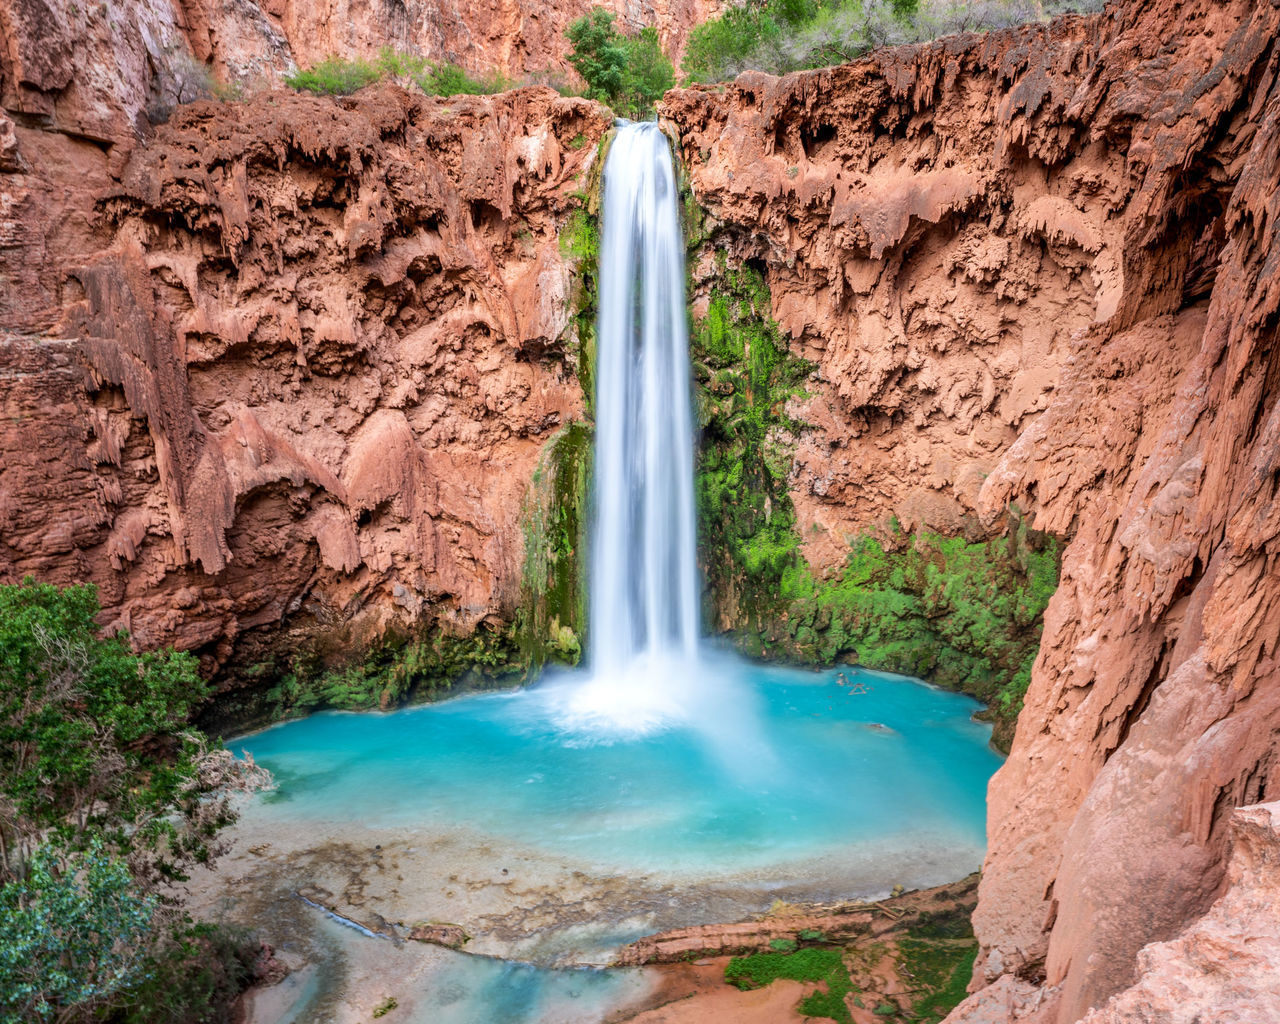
{"points": [[704, 770]]}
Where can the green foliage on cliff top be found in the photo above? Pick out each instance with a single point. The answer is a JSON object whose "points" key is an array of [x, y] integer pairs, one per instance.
{"points": [[338, 76], [791, 35], [628, 73]]}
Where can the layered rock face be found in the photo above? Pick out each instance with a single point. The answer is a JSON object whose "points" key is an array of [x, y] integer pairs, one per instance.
{"points": [[297, 369], [1040, 267], [103, 70]]}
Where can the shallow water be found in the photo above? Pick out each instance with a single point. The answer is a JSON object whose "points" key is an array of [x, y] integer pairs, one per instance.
{"points": [[755, 769]]}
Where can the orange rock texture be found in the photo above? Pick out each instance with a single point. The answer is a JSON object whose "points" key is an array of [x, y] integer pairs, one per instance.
{"points": [[99, 70], [1040, 267], [299, 365]]}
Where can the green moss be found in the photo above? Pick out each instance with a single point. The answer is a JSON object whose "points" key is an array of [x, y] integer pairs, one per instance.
{"points": [[553, 599], [744, 378], [820, 965], [580, 242], [965, 615], [939, 973], [398, 670]]}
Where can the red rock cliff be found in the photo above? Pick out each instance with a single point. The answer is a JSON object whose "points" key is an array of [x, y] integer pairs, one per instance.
{"points": [[100, 70], [298, 367], [1041, 266]]}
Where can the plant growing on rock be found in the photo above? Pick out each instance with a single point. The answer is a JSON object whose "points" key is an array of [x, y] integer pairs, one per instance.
{"points": [[797, 34], [966, 615], [338, 76], [629, 73], [105, 796]]}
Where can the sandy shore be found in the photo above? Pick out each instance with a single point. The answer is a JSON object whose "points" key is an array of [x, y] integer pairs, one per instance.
{"points": [[514, 902]]}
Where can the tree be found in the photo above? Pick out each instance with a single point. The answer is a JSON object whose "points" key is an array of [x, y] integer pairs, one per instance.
{"points": [[629, 73], [73, 933], [599, 54], [106, 794], [649, 72]]}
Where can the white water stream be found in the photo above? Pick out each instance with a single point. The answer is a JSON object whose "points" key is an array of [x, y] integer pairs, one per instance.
{"points": [[644, 592], [643, 580]]}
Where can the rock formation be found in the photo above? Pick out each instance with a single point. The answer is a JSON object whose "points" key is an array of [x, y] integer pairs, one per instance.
{"points": [[102, 71], [323, 343], [1040, 267]]}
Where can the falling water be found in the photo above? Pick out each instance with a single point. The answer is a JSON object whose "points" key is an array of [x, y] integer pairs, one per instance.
{"points": [[644, 590]]}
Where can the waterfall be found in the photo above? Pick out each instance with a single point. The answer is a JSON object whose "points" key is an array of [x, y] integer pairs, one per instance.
{"points": [[643, 583]]}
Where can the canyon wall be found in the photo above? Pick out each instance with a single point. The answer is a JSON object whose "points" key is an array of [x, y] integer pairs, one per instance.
{"points": [[104, 71], [278, 384], [1040, 267]]}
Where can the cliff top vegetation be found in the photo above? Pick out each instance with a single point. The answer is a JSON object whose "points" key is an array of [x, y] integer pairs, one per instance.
{"points": [[779, 36]]}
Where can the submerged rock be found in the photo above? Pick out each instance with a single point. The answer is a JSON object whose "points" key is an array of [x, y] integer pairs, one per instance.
{"points": [[451, 936]]}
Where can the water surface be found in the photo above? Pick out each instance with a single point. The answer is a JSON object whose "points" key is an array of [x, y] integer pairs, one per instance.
{"points": [[755, 770]]}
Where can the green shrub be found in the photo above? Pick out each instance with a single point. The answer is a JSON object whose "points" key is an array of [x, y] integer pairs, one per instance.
{"points": [[452, 80], [335, 76], [629, 73], [194, 978], [797, 34], [106, 794], [72, 933]]}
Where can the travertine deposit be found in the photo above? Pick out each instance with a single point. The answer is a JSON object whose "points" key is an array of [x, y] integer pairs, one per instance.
{"points": [[1040, 267], [307, 373]]}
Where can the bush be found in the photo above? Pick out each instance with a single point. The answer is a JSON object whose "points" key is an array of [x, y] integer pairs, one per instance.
{"points": [[336, 76], [629, 73], [105, 795], [799, 34], [194, 978], [72, 931]]}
